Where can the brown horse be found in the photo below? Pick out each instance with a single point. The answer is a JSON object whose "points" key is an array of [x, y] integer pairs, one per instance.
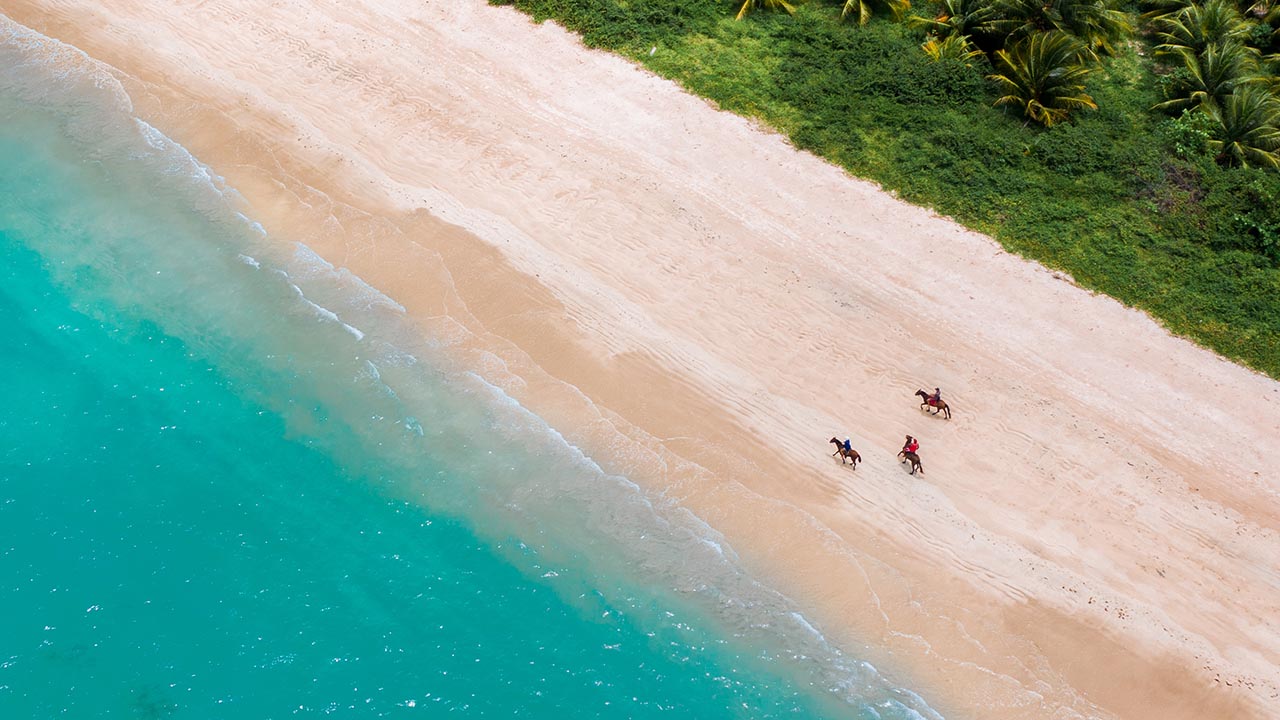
{"points": [[914, 459], [849, 454], [926, 400]]}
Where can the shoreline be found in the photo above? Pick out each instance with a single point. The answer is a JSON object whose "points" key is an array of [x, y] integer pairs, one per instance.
{"points": [[595, 285]]}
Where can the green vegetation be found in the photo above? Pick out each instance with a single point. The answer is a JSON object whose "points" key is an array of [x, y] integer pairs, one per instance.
{"points": [[1043, 76], [1136, 152], [749, 5]]}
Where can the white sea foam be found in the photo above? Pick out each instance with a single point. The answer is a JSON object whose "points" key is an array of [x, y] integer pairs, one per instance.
{"points": [[320, 310], [802, 622], [325, 312], [252, 224]]}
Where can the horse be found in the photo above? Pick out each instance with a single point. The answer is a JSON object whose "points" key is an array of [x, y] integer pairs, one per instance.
{"points": [[850, 454], [926, 400], [914, 459]]}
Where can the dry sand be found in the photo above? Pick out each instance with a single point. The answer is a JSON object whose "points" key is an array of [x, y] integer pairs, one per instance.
{"points": [[701, 306]]}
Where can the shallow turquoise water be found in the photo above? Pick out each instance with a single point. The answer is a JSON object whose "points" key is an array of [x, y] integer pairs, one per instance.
{"points": [[231, 485]]}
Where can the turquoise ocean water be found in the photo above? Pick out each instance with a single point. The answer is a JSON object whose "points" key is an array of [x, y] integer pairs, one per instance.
{"points": [[232, 485]]}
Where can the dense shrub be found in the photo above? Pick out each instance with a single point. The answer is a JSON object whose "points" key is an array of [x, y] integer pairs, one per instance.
{"points": [[1247, 216], [1188, 134]]}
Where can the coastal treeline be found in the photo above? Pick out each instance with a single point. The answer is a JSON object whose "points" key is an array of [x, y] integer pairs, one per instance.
{"points": [[1134, 146]]}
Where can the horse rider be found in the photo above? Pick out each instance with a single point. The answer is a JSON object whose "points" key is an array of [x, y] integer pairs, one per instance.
{"points": [[936, 398], [848, 446], [911, 445]]}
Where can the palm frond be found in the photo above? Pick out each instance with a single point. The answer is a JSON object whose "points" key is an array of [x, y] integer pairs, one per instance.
{"points": [[1248, 129], [863, 10], [1042, 75], [1196, 27], [952, 47], [749, 5], [956, 17], [1096, 22], [1212, 75]]}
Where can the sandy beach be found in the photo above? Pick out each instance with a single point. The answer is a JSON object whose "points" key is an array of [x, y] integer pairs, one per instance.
{"points": [[700, 307]]}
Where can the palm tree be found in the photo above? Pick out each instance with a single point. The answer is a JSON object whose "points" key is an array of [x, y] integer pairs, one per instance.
{"points": [[1097, 22], [1213, 75], [862, 10], [956, 17], [1248, 128], [1042, 74], [1268, 74], [749, 5], [1161, 8], [1196, 27], [1273, 19], [953, 47]]}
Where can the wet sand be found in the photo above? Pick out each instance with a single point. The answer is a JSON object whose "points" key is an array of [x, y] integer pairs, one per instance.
{"points": [[700, 306]]}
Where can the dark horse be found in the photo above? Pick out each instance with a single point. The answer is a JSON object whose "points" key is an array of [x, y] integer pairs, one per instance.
{"points": [[914, 459], [926, 400], [850, 454]]}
